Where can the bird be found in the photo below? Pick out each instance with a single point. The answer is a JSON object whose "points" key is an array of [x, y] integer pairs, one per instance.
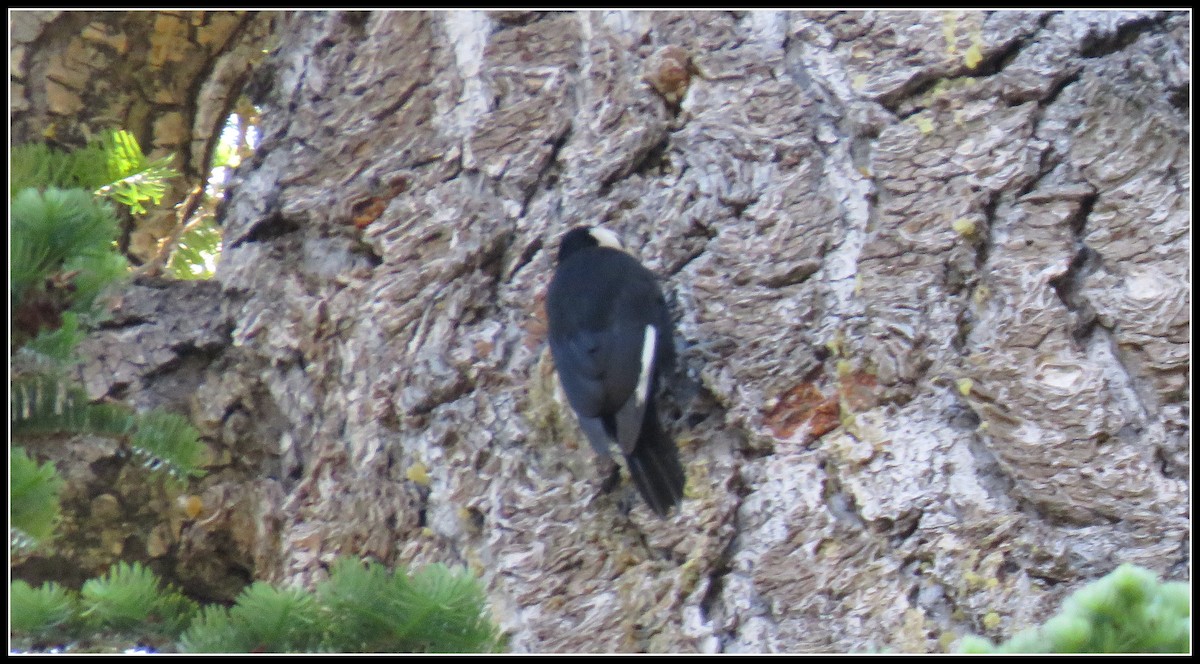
{"points": [[612, 341]]}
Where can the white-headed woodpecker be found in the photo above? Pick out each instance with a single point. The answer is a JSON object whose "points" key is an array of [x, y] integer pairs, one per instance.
{"points": [[611, 338]]}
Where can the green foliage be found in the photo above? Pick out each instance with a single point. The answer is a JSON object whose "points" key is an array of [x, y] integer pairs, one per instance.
{"points": [[169, 442], [358, 609], [63, 232], [195, 251], [39, 612], [212, 632], [56, 231], [1125, 612], [63, 253], [132, 599], [446, 612], [112, 166], [434, 610], [132, 178], [33, 492], [44, 404], [38, 165], [93, 273], [58, 345], [358, 599], [225, 155], [264, 619]]}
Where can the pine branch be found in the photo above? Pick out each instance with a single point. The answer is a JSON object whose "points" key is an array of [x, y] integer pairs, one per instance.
{"points": [[199, 241], [45, 404], [34, 506], [131, 598], [360, 608], [264, 619], [51, 227], [133, 179], [39, 612], [112, 166], [1125, 612], [168, 442]]}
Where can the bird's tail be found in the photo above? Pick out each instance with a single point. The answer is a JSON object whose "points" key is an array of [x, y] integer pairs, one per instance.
{"points": [[654, 466]]}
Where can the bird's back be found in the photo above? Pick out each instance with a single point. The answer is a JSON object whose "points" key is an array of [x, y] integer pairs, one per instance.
{"points": [[597, 327]]}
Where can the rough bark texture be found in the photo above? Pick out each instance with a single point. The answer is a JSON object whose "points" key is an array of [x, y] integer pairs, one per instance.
{"points": [[931, 277], [170, 78]]}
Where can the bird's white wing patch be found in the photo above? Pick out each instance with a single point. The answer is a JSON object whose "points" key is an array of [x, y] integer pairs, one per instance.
{"points": [[648, 347]]}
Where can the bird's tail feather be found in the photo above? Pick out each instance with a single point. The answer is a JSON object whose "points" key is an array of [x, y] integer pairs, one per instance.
{"points": [[655, 468]]}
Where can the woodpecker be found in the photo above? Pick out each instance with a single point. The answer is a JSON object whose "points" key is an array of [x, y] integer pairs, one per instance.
{"points": [[612, 339]]}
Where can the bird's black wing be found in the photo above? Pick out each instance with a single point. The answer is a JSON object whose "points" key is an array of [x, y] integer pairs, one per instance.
{"points": [[597, 329], [579, 369]]}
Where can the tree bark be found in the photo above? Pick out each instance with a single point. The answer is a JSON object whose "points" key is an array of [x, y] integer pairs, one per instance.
{"points": [[930, 273]]}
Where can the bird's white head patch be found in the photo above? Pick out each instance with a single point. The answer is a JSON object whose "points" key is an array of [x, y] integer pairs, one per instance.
{"points": [[606, 238]]}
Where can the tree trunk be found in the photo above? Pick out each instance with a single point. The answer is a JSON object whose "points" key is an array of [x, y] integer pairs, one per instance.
{"points": [[929, 270]]}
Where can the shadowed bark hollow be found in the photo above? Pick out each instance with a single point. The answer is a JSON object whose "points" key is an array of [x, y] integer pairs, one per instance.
{"points": [[930, 273]]}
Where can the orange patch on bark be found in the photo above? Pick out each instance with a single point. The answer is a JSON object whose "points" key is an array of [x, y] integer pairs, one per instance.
{"points": [[365, 212], [858, 391], [369, 210], [535, 324], [805, 409], [804, 406]]}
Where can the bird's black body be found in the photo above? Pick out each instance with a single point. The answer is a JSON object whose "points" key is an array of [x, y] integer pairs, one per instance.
{"points": [[611, 337]]}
